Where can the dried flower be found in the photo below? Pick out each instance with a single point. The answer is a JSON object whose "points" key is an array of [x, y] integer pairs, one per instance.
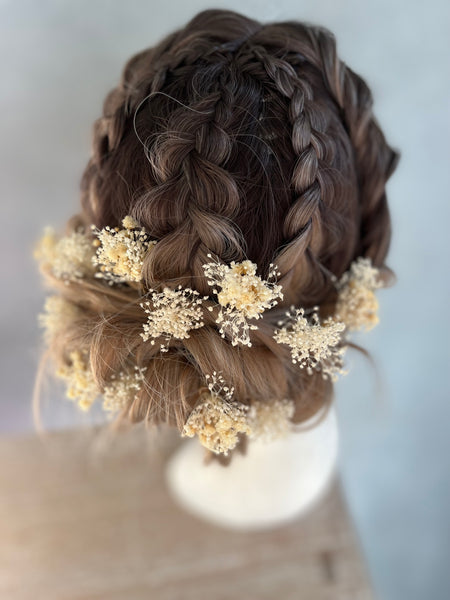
{"points": [[244, 295], [69, 258], [80, 382], [172, 313], [120, 252], [270, 420], [122, 389], [357, 305], [58, 314], [314, 346], [217, 420]]}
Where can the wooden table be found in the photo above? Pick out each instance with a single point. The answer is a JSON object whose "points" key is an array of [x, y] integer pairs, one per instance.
{"points": [[83, 516]]}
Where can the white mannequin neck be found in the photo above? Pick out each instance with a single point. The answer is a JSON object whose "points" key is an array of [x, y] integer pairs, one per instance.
{"points": [[271, 484]]}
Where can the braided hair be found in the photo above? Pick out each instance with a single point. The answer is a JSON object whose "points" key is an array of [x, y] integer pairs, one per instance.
{"points": [[247, 141]]}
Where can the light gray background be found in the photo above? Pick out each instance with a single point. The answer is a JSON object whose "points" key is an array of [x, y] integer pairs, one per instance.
{"points": [[59, 59]]}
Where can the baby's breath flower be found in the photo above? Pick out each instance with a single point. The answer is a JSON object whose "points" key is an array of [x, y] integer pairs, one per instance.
{"points": [[244, 295], [80, 382], [69, 258], [217, 420], [120, 252], [172, 313], [357, 305], [314, 346], [122, 389], [270, 420], [58, 314]]}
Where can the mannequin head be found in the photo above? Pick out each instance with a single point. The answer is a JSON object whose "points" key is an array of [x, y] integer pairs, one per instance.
{"points": [[248, 141]]}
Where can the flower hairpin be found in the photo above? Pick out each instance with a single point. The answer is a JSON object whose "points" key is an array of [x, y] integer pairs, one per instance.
{"points": [[272, 420], [357, 305], [120, 252], [217, 420], [172, 313], [314, 345], [68, 258], [82, 387], [243, 295]]}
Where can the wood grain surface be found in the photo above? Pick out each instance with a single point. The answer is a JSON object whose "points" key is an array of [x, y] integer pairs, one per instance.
{"points": [[86, 516]]}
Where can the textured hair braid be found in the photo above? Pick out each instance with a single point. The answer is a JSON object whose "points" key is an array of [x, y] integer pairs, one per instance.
{"points": [[374, 160], [314, 181]]}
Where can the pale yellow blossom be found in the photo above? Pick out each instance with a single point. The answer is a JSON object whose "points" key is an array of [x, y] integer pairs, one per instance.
{"points": [[122, 389], [217, 420], [314, 345], [357, 305], [69, 257], [57, 316], [243, 295], [270, 420], [120, 252], [79, 379], [172, 313]]}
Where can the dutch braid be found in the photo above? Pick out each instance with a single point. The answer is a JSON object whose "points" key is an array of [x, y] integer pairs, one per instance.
{"points": [[314, 188]]}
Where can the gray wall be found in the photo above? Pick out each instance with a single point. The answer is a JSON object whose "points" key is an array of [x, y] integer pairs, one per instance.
{"points": [[59, 59]]}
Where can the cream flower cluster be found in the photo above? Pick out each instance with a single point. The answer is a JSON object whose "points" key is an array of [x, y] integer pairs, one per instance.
{"points": [[244, 295], [58, 314], [172, 313], [69, 258], [120, 252], [357, 305], [83, 389], [218, 420], [115, 255], [269, 421], [314, 345]]}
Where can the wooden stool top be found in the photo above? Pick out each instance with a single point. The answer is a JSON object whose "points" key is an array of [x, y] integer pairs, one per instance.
{"points": [[82, 517]]}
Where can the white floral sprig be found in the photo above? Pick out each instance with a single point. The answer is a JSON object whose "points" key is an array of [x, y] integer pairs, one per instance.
{"points": [[120, 252], [314, 345], [172, 313], [81, 386], [69, 258], [80, 382], [58, 314], [217, 420], [122, 389], [271, 420], [357, 305], [244, 295]]}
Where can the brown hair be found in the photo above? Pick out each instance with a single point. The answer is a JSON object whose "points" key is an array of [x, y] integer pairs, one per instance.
{"points": [[249, 141]]}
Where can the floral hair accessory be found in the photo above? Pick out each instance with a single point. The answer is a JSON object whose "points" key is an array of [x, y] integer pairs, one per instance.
{"points": [[314, 346], [357, 305], [80, 383], [217, 420], [244, 295], [123, 388], [68, 258], [270, 421], [82, 387], [58, 314], [120, 252], [172, 313]]}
